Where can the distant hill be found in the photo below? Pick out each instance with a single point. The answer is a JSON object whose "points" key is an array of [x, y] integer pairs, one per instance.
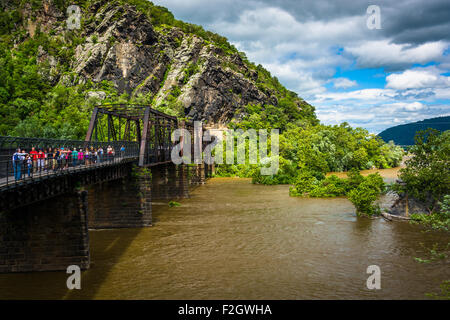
{"points": [[404, 134]]}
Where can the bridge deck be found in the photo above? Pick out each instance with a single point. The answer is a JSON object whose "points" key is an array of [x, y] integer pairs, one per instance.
{"points": [[10, 182], [138, 131]]}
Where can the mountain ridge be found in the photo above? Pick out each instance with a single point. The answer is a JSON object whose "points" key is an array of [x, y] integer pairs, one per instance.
{"points": [[404, 134]]}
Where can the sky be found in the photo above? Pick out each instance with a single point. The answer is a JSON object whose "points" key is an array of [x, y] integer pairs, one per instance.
{"points": [[338, 56]]}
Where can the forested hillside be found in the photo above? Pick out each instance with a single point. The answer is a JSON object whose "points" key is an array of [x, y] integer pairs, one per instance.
{"points": [[404, 134]]}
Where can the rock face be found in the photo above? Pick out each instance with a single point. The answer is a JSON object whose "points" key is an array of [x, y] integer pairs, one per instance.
{"points": [[171, 67], [401, 204], [405, 206]]}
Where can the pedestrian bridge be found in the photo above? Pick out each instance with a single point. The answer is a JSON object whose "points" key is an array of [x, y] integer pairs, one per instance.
{"points": [[58, 189]]}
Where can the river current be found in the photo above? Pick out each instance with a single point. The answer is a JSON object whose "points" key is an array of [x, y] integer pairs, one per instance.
{"points": [[236, 240]]}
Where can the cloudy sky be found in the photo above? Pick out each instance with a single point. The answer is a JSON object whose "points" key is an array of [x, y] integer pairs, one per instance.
{"points": [[325, 51]]}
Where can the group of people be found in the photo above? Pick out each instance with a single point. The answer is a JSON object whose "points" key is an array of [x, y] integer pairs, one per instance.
{"points": [[45, 160]]}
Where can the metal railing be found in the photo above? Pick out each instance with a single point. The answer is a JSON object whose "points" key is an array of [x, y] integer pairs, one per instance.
{"points": [[43, 158]]}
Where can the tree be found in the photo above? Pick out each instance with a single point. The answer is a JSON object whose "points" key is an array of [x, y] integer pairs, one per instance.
{"points": [[427, 174], [366, 193]]}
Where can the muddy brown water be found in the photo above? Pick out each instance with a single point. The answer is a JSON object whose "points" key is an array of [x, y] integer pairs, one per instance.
{"points": [[236, 240], [389, 175]]}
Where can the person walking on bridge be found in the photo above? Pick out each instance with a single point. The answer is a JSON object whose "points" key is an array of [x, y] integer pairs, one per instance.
{"points": [[41, 160], [99, 154], [17, 160], [29, 165], [74, 157], [80, 157], [109, 153], [34, 155]]}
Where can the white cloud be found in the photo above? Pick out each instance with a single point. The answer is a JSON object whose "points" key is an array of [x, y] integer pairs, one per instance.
{"points": [[302, 54], [383, 53], [414, 106], [344, 83], [442, 93], [418, 78], [366, 96], [377, 117]]}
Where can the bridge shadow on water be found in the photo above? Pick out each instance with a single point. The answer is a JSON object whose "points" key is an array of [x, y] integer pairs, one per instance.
{"points": [[107, 248]]}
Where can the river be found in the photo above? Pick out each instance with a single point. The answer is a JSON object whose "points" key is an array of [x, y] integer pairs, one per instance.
{"points": [[236, 240]]}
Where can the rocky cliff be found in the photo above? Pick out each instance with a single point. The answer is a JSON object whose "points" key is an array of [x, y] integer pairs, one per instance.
{"points": [[127, 44]]}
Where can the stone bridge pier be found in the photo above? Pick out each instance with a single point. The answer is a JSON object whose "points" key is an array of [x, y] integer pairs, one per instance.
{"points": [[170, 181], [123, 203], [45, 236]]}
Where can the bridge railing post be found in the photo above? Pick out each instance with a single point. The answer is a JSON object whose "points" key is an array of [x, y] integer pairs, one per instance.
{"points": [[143, 147]]}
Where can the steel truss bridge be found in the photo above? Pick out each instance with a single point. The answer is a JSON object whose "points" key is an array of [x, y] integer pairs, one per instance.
{"points": [[134, 133]]}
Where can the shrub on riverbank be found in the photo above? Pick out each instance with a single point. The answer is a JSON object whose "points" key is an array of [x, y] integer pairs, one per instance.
{"points": [[361, 191], [438, 220], [366, 193], [285, 174]]}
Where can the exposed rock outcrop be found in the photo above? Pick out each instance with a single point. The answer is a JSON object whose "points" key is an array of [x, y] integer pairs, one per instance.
{"points": [[401, 205], [405, 206]]}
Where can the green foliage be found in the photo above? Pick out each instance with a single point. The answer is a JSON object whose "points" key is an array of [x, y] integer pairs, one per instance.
{"points": [[445, 206], [171, 105], [161, 16], [270, 116], [33, 104], [434, 253], [9, 21], [285, 173], [427, 173], [305, 183], [362, 192], [235, 170], [354, 179], [332, 186], [26, 85], [174, 204], [364, 196], [176, 91], [433, 220], [22, 86], [445, 292], [191, 69], [320, 148]]}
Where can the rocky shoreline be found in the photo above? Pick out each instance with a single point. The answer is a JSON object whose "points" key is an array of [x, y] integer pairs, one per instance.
{"points": [[399, 207]]}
